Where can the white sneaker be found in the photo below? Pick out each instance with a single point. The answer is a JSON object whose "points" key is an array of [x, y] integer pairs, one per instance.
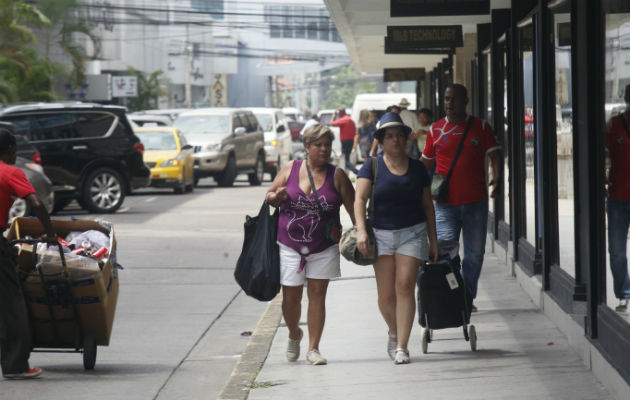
{"points": [[314, 358], [391, 346], [402, 356], [623, 305], [293, 348]]}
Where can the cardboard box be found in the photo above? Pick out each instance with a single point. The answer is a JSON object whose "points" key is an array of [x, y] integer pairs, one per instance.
{"points": [[95, 297]]}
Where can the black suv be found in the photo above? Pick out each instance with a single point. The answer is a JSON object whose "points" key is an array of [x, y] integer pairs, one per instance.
{"points": [[88, 151]]}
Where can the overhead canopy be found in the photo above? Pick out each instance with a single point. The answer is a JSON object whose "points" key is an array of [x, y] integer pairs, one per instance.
{"points": [[362, 24]]}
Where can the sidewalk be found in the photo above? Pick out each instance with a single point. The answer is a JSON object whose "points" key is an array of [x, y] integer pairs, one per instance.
{"points": [[521, 354]]}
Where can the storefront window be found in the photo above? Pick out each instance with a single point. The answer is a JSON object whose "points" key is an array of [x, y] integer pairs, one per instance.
{"points": [[527, 57], [564, 136], [506, 155], [617, 109], [487, 86]]}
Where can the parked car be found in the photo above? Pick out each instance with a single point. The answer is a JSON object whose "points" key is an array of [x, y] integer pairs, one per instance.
{"points": [[144, 119], [42, 185], [277, 138], [226, 142], [88, 151], [169, 156], [172, 113], [295, 127]]}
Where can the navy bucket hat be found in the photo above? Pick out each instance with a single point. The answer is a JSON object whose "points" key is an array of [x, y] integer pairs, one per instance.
{"points": [[390, 120]]}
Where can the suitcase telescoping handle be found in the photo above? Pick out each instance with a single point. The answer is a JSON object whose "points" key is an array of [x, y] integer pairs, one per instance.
{"points": [[35, 242]]}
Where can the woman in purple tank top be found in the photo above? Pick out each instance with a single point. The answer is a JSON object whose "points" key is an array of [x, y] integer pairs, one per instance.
{"points": [[306, 252]]}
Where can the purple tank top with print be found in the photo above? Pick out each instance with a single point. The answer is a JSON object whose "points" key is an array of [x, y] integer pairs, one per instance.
{"points": [[301, 225]]}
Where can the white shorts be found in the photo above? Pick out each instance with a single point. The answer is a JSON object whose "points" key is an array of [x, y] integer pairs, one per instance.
{"points": [[322, 265]]}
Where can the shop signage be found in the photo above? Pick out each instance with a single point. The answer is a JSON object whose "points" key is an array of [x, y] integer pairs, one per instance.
{"points": [[403, 74], [564, 34], [401, 38], [429, 8], [124, 86]]}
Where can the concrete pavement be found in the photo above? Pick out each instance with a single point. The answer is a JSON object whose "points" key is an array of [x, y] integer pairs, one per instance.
{"points": [[521, 354]]}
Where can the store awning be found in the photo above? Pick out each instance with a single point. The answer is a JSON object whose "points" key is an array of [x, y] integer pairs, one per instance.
{"points": [[362, 25]]}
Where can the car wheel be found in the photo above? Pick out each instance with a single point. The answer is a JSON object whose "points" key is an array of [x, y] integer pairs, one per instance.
{"points": [[228, 175], [181, 186], [256, 177], [103, 191], [20, 208]]}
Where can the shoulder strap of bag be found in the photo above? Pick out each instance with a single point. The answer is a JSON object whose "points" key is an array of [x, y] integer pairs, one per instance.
{"points": [[310, 178], [624, 123], [370, 210], [459, 148]]}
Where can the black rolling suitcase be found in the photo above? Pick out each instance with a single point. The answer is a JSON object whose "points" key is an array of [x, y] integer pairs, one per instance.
{"points": [[443, 301]]}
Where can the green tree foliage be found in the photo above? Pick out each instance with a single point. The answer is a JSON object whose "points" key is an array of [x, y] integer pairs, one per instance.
{"points": [[23, 74], [341, 85], [150, 89]]}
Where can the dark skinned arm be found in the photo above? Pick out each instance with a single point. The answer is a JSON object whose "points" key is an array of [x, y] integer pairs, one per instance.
{"points": [[40, 211], [496, 162]]}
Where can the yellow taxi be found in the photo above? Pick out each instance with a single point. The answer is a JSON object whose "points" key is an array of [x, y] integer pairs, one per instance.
{"points": [[169, 157]]}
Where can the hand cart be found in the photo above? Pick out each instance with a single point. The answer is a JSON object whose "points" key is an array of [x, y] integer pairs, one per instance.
{"points": [[58, 325]]}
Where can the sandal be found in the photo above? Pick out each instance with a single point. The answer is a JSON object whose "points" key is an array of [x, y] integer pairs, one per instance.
{"points": [[402, 356], [391, 346]]}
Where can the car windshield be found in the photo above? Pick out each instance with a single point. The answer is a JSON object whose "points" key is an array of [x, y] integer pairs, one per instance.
{"points": [[210, 124], [265, 121], [157, 140]]}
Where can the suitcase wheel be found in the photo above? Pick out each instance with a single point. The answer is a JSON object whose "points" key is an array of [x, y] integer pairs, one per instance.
{"points": [[472, 333], [426, 338]]}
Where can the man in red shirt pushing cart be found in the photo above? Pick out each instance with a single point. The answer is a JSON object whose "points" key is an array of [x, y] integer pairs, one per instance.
{"points": [[15, 334]]}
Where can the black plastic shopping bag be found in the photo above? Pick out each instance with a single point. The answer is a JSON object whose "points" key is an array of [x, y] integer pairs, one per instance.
{"points": [[258, 267]]}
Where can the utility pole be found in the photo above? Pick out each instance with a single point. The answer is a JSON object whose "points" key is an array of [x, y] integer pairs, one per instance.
{"points": [[187, 53]]}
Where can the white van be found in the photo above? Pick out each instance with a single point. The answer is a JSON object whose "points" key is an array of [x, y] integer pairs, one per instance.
{"points": [[379, 102], [278, 143]]}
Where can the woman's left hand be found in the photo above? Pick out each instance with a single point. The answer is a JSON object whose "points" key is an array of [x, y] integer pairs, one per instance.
{"points": [[434, 251]]}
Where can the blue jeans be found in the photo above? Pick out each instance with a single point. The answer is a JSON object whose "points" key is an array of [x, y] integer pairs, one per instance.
{"points": [[618, 223], [472, 220], [346, 149]]}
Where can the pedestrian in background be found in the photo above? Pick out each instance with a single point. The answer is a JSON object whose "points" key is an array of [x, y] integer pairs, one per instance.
{"points": [[367, 127], [618, 201], [307, 252], [466, 209], [348, 136], [314, 120], [15, 333], [409, 118], [403, 218]]}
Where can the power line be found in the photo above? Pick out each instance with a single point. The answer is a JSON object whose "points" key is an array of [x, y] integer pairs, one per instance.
{"points": [[185, 11]]}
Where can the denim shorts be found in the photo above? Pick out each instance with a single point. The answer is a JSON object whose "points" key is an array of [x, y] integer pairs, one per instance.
{"points": [[411, 241]]}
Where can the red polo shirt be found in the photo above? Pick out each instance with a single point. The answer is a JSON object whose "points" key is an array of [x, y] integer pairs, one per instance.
{"points": [[618, 146], [468, 182], [347, 128], [13, 184]]}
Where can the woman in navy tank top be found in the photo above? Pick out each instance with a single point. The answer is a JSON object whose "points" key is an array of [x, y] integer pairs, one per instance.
{"points": [[403, 220]]}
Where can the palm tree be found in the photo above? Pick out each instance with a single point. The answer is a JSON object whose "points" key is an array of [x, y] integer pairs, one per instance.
{"points": [[65, 25], [149, 90], [16, 57]]}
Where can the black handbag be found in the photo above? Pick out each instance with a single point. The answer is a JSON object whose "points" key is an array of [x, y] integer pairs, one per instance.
{"points": [[333, 226], [439, 184], [258, 267]]}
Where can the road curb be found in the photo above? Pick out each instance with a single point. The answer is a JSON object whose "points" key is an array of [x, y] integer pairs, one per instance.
{"points": [[255, 354]]}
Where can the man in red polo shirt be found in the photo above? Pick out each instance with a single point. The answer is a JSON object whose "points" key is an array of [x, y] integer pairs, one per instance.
{"points": [[618, 202], [15, 337], [466, 209], [347, 134]]}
